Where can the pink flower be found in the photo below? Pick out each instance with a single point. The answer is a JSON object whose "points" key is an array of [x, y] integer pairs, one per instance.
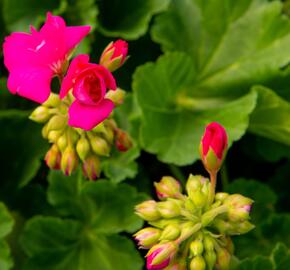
{"points": [[89, 83], [213, 146], [34, 58], [114, 55]]}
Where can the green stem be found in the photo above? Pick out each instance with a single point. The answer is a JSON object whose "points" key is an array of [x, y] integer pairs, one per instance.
{"points": [[224, 176], [212, 188], [177, 173]]}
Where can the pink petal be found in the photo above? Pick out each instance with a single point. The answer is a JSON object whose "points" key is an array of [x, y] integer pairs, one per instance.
{"points": [[107, 76], [87, 117], [74, 35], [73, 70], [32, 83]]}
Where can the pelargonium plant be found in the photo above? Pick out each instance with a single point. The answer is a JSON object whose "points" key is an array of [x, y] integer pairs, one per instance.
{"points": [[78, 120], [194, 231]]}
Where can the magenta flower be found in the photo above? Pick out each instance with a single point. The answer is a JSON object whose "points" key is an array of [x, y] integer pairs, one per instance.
{"points": [[34, 58], [89, 83]]}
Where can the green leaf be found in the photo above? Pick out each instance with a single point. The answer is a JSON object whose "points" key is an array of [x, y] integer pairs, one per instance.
{"points": [[127, 19], [264, 198], [22, 148], [228, 52], [256, 263], [271, 117], [56, 244], [281, 257], [173, 131], [18, 15]]}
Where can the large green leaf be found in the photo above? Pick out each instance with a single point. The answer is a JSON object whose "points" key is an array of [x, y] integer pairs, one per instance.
{"points": [[233, 45], [126, 18], [173, 125]]}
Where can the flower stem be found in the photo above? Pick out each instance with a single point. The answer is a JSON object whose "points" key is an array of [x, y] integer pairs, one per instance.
{"points": [[212, 188]]}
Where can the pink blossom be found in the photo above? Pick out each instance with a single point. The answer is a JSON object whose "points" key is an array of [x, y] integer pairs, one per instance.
{"points": [[89, 83], [34, 58]]}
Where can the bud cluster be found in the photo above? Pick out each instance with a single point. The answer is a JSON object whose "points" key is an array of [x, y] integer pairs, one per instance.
{"points": [[185, 232], [73, 146]]}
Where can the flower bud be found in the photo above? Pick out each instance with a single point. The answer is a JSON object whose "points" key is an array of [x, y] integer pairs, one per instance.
{"points": [[100, 146], [92, 167], [221, 196], [147, 237], [188, 228], [69, 160], [52, 101], [176, 265], [53, 135], [159, 256], [62, 142], [123, 141], [223, 259], [148, 210], [222, 226], [168, 187], [195, 183], [169, 209], [213, 147], [114, 55], [56, 122], [40, 114], [210, 258], [83, 147], [117, 96], [242, 227], [197, 263], [208, 243], [53, 158], [196, 247], [239, 207], [199, 199], [171, 232]]}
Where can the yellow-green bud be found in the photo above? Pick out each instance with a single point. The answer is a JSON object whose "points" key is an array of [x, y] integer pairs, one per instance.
{"points": [[62, 142], [53, 158], [188, 228], [117, 96], [196, 247], [208, 243], [147, 237], [91, 167], [148, 210], [56, 122], [168, 187], [44, 131], [171, 232], [195, 183], [52, 101], [210, 258], [83, 147], [100, 146], [53, 135], [223, 259], [242, 227], [169, 209], [221, 196], [100, 128], [40, 114], [197, 263], [69, 160], [199, 199]]}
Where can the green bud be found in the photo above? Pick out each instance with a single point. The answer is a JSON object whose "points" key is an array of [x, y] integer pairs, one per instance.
{"points": [[189, 205], [221, 196], [100, 146], [44, 131], [72, 135], [169, 209], [196, 247], [223, 259], [208, 243], [117, 96], [83, 148], [53, 135], [199, 199], [56, 122], [40, 114], [197, 263], [171, 232], [209, 216], [162, 223], [91, 167], [242, 227], [147, 237], [109, 135], [168, 187], [210, 258], [148, 210], [188, 228], [222, 226], [69, 160], [52, 101], [62, 142], [100, 128], [195, 183]]}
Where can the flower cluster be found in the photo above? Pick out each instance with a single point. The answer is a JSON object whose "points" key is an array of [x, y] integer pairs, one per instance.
{"points": [[194, 231], [78, 120]]}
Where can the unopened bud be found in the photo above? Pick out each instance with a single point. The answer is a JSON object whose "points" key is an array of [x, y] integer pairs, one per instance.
{"points": [[44, 131], [213, 147], [40, 114], [83, 147], [222, 226], [114, 55], [208, 243], [188, 228], [196, 247], [168, 187], [92, 167], [171, 232], [210, 258], [199, 199], [117, 96], [53, 135], [56, 122], [221, 196], [195, 183], [53, 158], [62, 142], [147, 237], [242, 227], [197, 263], [160, 255], [100, 146], [223, 259], [123, 141], [52, 101], [148, 210], [69, 160], [169, 209]]}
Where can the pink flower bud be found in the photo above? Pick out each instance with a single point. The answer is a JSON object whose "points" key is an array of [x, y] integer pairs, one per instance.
{"points": [[114, 55], [213, 147], [159, 256], [53, 158], [91, 167], [168, 187], [123, 140], [69, 160], [147, 237]]}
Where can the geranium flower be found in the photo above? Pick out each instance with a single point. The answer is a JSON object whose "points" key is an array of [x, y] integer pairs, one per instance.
{"points": [[89, 83], [34, 58]]}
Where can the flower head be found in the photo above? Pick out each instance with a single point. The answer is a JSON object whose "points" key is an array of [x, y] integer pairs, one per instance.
{"points": [[32, 59], [89, 83]]}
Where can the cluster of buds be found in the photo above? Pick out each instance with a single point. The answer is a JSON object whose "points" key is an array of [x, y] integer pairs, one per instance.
{"points": [[73, 146], [193, 230]]}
